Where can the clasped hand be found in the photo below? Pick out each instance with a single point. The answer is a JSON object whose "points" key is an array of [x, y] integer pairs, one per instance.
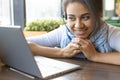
{"points": [[79, 45]]}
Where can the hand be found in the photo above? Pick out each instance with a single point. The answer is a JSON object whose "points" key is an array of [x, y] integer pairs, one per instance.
{"points": [[71, 49], [87, 48]]}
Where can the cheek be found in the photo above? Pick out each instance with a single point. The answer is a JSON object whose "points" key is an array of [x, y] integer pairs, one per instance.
{"points": [[70, 25], [89, 25], [90, 29]]}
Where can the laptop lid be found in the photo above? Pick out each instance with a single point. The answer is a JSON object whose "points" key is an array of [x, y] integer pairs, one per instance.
{"points": [[16, 54]]}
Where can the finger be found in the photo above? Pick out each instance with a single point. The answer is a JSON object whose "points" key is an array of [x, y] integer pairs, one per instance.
{"points": [[74, 46], [72, 54], [85, 41], [75, 40], [75, 52], [85, 44]]}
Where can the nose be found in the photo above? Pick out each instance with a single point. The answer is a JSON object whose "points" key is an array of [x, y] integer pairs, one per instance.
{"points": [[79, 24]]}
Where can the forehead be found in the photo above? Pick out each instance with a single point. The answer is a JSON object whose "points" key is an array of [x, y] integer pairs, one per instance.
{"points": [[76, 8]]}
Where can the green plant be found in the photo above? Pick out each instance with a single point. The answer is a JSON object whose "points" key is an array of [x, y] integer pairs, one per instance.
{"points": [[113, 22], [118, 1], [44, 25]]}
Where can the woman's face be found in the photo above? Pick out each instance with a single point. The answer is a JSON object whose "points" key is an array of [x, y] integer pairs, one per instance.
{"points": [[79, 20]]}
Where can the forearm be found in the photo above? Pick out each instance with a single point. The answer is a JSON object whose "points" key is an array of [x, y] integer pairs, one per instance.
{"points": [[45, 51], [110, 58]]}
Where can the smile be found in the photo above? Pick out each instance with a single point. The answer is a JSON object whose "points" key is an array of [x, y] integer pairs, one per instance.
{"points": [[80, 32]]}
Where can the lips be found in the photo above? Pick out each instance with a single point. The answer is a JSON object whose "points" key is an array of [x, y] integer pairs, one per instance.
{"points": [[80, 32]]}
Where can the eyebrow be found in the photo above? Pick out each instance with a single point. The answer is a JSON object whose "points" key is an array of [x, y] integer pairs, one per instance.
{"points": [[81, 15], [70, 14], [85, 14]]}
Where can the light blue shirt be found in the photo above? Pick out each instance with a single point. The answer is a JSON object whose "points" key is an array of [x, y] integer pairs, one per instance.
{"points": [[51, 39], [58, 37], [62, 36]]}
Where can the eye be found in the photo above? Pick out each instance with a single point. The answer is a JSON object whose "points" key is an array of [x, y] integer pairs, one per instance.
{"points": [[71, 18], [85, 17]]}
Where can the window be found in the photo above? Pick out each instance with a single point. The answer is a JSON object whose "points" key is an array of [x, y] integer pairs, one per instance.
{"points": [[39, 9], [17, 12], [5, 12], [12, 12]]}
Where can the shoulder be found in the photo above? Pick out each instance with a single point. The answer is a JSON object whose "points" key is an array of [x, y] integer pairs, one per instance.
{"points": [[113, 30], [57, 33], [60, 30], [114, 37]]}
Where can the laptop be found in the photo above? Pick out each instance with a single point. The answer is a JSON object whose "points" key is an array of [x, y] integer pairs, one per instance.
{"points": [[16, 54]]}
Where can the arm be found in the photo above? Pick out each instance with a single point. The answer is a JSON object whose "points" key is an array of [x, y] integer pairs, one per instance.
{"points": [[44, 51], [67, 52], [45, 45], [89, 51], [72, 49], [111, 57], [114, 41]]}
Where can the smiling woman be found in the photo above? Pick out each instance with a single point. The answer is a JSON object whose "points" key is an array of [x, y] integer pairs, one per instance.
{"points": [[85, 35]]}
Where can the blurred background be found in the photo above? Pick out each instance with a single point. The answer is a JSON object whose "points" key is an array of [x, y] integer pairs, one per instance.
{"points": [[23, 12]]}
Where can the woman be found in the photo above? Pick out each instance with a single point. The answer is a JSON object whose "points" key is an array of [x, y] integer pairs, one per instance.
{"points": [[84, 36]]}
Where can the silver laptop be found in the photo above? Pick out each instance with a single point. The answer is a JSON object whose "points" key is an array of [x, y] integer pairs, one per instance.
{"points": [[16, 54]]}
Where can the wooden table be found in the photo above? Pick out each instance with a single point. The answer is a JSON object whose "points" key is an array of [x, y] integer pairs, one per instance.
{"points": [[89, 71]]}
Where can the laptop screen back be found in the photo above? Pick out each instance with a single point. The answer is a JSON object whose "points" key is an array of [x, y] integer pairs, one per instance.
{"points": [[16, 54], [16, 51]]}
